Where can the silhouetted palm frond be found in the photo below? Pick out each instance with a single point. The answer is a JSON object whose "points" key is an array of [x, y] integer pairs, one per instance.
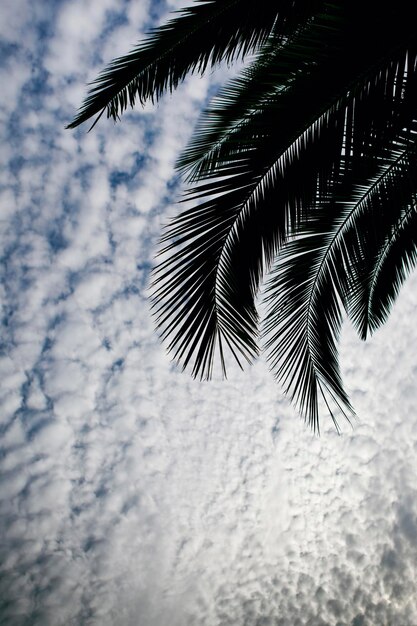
{"points": [[306, 161], [348, 259], [382, 249], [204, 35]]}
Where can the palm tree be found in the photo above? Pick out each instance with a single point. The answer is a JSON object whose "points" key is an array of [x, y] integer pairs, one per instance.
{"points": [[305, 164]]}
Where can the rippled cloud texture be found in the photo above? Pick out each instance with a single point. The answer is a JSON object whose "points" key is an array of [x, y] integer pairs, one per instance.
{"points": [[130, 494]]}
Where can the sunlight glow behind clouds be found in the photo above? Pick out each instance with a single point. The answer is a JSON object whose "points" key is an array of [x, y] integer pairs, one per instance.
{"points": [[131, 494]]}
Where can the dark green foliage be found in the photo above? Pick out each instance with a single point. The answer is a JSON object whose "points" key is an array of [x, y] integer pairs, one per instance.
{"points": [[305, 163]]}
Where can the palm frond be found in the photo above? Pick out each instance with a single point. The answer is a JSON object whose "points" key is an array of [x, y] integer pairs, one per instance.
{"points": [[326, 272], [204, 35], [242, 115], [328, 268], [382, 241], [325, 61], [309, 153], [269, 74], [352, 256], [398, 259], [304, 317], [205, 291]]}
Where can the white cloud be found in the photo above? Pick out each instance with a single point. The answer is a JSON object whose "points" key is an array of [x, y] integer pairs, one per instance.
{"points": [[130, 493]]}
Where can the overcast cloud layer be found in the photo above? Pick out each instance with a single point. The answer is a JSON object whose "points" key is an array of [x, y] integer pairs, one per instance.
{"points": [[130, 494]]}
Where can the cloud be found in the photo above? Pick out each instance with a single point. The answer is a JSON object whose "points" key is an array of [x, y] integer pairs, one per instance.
{"points": [[131, 494]]}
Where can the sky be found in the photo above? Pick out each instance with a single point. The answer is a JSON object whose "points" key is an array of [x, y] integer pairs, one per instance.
{"points": [[131, 494]]}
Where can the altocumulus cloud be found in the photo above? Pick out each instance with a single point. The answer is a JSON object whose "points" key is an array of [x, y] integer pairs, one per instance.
{"points": [[129, 493]]}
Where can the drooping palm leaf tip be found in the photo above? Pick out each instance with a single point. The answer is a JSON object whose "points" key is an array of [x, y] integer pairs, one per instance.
{"points": [[305, 165]]}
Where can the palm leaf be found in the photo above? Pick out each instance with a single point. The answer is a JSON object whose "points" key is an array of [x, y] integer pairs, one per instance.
{"points": [[398, 259], [300, 69], [330, 267], [205, 291], [218, 251], [327, 270], [383, 241], [274, 69], [313, 140], [304, 317], [204, 35]]}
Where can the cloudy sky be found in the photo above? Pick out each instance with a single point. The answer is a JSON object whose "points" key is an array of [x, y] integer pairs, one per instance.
{"points": [[131, 494]]}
